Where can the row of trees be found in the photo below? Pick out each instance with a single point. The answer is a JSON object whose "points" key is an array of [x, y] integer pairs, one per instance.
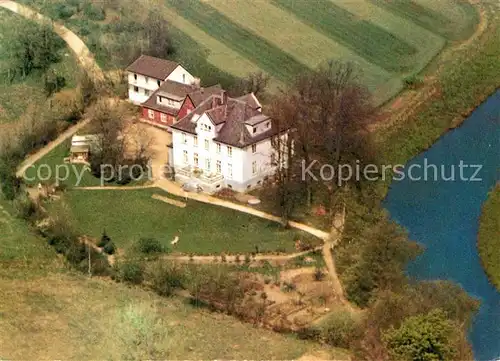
{"points": [[323, 119]]}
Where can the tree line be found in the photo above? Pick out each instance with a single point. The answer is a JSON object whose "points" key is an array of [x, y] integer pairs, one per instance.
{"points": [[322, 119]]}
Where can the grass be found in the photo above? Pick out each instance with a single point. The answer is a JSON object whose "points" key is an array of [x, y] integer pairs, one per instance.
{"points": [[130, 215], [266, 55], [16, 96], [426, 17], [49, 312], [489, 236], [362, 37]]}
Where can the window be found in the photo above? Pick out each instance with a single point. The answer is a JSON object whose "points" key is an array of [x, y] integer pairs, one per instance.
{"points": [[254, 148], [158, 82], [160, 98], [207, 164], [254, 130], [268, 125], [207, 145], [184, 138], [229, 151], [185, 156], [171, 102], [195, 140], [146, 79], [195, 159], [135, 76], [151, 114], [218, 148], [229, 171], [136, 89], [254, 167], [146, 92], [163, 117], [184, 78], [218, 167]]}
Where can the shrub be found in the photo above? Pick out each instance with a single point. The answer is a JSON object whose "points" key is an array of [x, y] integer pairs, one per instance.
{"points": [[165, 278], [340, 329], [289, 287], [318, 274], [413, 81], [105, 239], [110, 248], [150, 246], [93, 12], [131, 272], [25, 207]]}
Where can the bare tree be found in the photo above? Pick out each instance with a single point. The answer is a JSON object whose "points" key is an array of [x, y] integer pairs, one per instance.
{"points": [[287, 176], [254, 83]]}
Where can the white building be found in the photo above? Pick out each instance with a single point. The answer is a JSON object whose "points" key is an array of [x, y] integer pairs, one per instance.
{"points": [[147, 74], [224, 142]]}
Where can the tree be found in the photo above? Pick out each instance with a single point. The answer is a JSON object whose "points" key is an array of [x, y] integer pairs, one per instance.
{"points": [[429, 337], [34, 46], [253, 83], [287, 175], [108, 122]]}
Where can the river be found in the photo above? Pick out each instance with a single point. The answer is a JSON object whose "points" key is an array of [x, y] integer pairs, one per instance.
{"points": [[443, 215]]}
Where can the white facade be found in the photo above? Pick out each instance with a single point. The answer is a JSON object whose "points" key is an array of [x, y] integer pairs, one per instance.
{"points": [[220, 165], [141, 87]]}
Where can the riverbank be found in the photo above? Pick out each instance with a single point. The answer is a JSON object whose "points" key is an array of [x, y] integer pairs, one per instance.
{"points": [[464, 84], [488, 240]]}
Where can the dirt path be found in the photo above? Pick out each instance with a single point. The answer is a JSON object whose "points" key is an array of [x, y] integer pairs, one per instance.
{"points": [[232, 258], [76, 44]]}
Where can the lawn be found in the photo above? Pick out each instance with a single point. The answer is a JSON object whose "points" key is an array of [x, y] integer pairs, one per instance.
{"points": [[18, 95], [202, 229], [489, 236]]}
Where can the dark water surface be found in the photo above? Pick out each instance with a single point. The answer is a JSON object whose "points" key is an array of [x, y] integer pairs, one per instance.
{"points": [[444, 215]]}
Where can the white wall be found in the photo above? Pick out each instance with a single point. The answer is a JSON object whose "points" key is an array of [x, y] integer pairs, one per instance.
{"points": [[240, 160], [143, 83], [178, 73]]}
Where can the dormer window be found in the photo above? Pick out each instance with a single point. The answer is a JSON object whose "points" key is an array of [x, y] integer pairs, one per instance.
{"points": [[268, 125], [254, 130], [160, 98], [146, 79], [158, 82]]}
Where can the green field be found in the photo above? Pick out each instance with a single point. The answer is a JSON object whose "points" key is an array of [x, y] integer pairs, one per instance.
{"points": [[387, 40], [130, 215], [489, 236]]}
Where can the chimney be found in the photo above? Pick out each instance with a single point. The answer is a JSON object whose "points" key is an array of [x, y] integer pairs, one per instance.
{"points": [[197, 82], [224, 97]]}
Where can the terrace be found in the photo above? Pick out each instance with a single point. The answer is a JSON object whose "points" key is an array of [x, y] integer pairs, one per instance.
{"points": [[210, 182]]}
